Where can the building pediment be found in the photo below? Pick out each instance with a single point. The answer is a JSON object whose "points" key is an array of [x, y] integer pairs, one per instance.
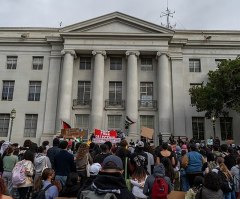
{"points": [[115, 23]]}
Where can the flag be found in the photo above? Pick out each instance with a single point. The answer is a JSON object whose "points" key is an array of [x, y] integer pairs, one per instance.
{"points": [[65, 125], [128, 122]]}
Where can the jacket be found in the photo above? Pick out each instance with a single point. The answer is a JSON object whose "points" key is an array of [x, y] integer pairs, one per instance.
{"points": [[51, 153], [158, 170], [51, 192], [209, 194], [41, 161], [111, 183], [137, 189]]}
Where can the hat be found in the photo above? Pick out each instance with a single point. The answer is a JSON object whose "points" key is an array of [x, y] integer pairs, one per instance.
{"points": [[140, 144], [112, 162], [94, 169]]}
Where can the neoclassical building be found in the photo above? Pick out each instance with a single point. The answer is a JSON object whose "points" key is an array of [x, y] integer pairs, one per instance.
{"points": [[95, 73]]}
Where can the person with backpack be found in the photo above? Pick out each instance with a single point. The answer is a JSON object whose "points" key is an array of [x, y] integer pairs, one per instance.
{"points": [[227, 182], [9, 161], [157, 185], [109, 183], [22, 175], [43, 187]]}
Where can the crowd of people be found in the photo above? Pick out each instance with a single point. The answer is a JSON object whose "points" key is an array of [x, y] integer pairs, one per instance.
{"points": [[136, 170]]}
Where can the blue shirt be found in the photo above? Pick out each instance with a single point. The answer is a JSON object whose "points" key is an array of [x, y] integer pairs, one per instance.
{"points": [[194, 162], [51, 192]]}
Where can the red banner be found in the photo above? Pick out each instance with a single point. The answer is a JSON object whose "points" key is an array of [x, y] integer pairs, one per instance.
{"points": [[105, 134]]}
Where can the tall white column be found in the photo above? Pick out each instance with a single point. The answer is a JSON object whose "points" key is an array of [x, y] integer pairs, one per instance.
{"points": [[98, 88], [164, 93], [65, 96], [132, 92]]}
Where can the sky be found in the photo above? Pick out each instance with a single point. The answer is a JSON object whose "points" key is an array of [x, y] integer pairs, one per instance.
{"points": [[189, 14]]}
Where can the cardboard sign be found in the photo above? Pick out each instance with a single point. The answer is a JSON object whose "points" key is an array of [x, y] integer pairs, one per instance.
{"points": [[209, 142], [73, 132], [147, 132]]}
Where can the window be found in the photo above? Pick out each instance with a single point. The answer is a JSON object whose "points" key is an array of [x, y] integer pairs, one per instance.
{"points": [[4, 124], [115, 63], [194, 85], [34, 91], [146, 64], [84, 89], [146, 91], [218, 61], [147, 121], [30, 125], [114, 122], [198, 128], [115, 92], [226, 128], [37, 63], [7, 92], [85, 63], [11, 62], [82, 122], [194, 65]]}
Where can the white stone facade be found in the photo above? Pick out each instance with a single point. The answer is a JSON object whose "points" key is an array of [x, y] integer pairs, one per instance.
{"points": [[112, 35]]}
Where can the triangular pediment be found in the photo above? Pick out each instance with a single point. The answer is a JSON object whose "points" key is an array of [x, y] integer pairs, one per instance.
{"points": [[117, 23]]}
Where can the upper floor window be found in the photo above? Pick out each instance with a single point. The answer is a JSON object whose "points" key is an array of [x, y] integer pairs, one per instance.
{"points": [[194, 65], [115, 91], [4, 124], [226, 128], [34, 90], [12, 62], [7, 92], [85, 63], [146, 91], [84, 90], [194, 85], [115, 63], [147, 121], [146, 64], [114, 121], [30, 128], [198, 128], [37, 63]]}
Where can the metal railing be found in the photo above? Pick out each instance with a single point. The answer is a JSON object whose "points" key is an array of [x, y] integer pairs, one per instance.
{"points": [[147, 104], [80, 102], [114, 103]]}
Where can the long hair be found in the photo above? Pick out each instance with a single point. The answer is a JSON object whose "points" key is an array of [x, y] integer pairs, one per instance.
{"points": [[83, 149], [45, 174], [2, 187], [168, 168], [9, 150], [223, 168]]}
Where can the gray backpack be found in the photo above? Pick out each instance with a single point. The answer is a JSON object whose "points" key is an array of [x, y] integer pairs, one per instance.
{"points": [[87, 194]]}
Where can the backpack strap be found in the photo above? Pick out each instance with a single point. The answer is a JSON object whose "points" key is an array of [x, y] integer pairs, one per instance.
{"points": [[47, 187]]}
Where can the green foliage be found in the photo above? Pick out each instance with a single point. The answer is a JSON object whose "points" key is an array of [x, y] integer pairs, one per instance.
{"points": [[222, 91]]}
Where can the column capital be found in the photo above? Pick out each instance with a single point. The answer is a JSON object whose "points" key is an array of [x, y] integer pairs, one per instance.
{"points": [[71, 52], [102, 52], [132, 52], [159, 54]]}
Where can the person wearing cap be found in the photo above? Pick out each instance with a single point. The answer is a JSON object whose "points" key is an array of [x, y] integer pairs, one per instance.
{"points": [[139, 158], [109, 181]]}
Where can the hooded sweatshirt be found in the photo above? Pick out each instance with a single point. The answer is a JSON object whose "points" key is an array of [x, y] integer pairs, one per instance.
{"points": [[111, 183], [41, 161], [158, 170]]}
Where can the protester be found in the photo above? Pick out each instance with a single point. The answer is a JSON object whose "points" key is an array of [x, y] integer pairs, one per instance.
{"points": [[104, 153], [109, 181], [63, 170], [9, 161], [53, 151], [211, 187], [45, 182], [3, 190], [165, 153], [235, 171], [197, 185]]}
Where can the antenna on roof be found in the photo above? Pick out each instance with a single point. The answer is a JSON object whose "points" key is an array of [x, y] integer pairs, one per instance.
{"points": [[168, 14], [60, 24]]}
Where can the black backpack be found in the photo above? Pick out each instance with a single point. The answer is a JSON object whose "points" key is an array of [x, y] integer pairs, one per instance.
{"points": [[41, 194]]}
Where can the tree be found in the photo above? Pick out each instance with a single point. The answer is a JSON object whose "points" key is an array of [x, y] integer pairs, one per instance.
{"points": [[222, 91]]}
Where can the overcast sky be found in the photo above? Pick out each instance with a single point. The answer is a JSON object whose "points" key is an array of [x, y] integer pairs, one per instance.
{"points": [[189, 14]]}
